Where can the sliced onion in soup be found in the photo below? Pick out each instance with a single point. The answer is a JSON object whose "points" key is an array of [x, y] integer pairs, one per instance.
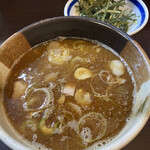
{"points": [[87, 131]]}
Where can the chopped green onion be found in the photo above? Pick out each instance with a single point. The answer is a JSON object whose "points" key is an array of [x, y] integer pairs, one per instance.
{"points": [[109, 11]]}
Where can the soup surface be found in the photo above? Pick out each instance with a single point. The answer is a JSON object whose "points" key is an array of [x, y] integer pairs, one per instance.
{"points": [[68, 94]]}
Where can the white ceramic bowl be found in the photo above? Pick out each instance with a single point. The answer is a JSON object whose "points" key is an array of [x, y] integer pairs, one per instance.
{"points": [[138, 7], [51, 28]]}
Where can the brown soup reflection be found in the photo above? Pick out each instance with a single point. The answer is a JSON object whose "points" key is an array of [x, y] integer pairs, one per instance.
{"points": [[69, 94]]}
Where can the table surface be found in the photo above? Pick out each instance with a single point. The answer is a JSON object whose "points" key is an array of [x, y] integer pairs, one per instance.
{"points": [[17, 14]]}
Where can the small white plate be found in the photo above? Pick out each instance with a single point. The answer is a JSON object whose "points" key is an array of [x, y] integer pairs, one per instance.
{"points": [[138, 7]]}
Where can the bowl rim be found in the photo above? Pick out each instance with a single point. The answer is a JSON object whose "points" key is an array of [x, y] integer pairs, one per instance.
{"points": [[127, 36], [71, 3]]}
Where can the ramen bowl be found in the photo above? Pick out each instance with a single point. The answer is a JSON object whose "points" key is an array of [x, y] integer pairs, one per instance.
{"points": [[90, 29]]}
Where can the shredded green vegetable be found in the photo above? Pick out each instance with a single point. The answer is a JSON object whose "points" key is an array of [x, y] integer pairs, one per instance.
{"points": [[109, 11]]}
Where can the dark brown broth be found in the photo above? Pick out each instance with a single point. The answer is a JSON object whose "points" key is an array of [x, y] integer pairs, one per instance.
{"points": [[32, 69]]}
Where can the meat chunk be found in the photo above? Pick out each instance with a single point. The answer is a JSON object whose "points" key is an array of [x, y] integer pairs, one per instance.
{"points": [[83, 73], [58, 55], [19, 88], [69, 89], [82, 97], [117, 67]]}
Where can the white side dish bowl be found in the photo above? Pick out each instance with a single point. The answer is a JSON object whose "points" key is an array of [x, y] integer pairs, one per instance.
{"points": [[138, 7]]}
